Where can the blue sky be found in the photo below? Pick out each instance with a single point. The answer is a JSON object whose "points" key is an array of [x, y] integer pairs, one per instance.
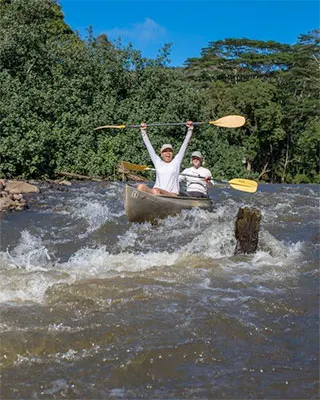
{"points": [[191, 25]]}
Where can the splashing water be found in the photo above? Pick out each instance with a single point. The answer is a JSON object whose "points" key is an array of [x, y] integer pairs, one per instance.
{"points": [[96, 307]]}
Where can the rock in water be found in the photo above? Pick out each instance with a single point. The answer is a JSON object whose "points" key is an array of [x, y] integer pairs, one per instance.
{"points": [[15, 187], [247, 230]]}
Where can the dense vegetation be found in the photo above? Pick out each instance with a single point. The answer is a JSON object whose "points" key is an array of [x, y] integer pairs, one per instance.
{"points": [[55, 87]]}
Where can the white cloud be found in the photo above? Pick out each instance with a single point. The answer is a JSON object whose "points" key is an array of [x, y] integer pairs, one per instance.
{"points": [[143, 33]]}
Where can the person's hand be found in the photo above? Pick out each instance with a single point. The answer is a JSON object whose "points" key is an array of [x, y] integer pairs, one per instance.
{"points": [[143, 127], [207, 179], [189, 124]]}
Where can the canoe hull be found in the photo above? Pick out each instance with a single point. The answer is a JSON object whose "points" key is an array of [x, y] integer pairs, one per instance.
{"points": [[145, 207]]}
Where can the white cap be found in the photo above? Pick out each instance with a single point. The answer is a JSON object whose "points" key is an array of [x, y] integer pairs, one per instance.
{"points": [[166, 146], [197, 154]]}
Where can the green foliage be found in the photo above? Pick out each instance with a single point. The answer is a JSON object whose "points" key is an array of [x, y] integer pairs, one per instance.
{"points": [[55, 87], [300, 178]]}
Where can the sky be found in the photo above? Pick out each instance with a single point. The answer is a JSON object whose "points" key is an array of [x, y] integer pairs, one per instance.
{"points": [[190, 25]]}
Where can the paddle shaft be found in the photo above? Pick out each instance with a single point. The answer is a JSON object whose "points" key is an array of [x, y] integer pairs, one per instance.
{"points": [[229, 121], [167, 124], [202, 177], [153, 124], [244, 185]]}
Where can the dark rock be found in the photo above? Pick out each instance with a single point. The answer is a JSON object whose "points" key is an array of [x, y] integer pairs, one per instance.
{"points": [[247, 230]]}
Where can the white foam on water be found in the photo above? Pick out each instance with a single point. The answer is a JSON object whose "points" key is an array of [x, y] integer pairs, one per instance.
{"points": [[65, 328], [191, 231], [70, 355], [128, 239], [25, 271], [29, 269], [25, 287], [277, 251], [94, 213], [257, 270], [89, 262], [30, 254], [214, 242], [93, 208], [59, 385]]}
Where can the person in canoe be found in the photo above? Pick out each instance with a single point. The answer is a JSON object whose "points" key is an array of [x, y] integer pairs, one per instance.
{"points": [[197, 178], [167, 167]]}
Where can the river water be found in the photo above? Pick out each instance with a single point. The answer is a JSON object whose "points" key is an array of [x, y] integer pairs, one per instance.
{"points": [[95, 307]]}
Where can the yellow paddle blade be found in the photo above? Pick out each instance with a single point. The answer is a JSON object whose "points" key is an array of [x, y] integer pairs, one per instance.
{"points": [[110, 126], [230, 121], [245, 185], [135, 167]]}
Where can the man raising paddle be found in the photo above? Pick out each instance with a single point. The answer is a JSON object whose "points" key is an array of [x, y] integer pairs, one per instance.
{"points": [[167, 167]]}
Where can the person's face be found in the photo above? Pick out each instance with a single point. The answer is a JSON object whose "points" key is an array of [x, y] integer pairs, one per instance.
{"points": [[167, 155], [196, 162]]}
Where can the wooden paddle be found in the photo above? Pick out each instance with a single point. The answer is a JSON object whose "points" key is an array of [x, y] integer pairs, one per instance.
{"points": [[229, 121], [244, 185]]}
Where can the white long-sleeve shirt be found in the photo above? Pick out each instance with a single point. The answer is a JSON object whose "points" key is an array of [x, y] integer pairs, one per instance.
{"points": [[167, 174], [194, 183]]}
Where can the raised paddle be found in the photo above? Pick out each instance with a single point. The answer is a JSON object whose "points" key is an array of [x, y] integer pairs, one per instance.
{"points": [[229, 121], [244, 185]]}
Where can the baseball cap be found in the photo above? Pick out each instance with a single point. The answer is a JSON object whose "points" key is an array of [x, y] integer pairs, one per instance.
{"points": [[197, 154], [166, 146]]}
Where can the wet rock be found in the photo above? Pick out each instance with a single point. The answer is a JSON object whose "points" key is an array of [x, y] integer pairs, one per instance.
{"points": [[15, 187], [247, 230], [7, 203], [11, 197], [62, 182], [17, 196], [20, 208]]}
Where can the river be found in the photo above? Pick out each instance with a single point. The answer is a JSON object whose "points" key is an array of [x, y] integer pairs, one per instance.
{"points": [[95, 307]]}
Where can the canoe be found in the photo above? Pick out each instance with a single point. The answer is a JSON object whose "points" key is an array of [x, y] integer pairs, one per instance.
{"points": [[146, 207]]}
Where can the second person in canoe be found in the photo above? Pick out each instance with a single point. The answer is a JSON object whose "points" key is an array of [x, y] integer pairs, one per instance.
{"points": [[197, 178]]}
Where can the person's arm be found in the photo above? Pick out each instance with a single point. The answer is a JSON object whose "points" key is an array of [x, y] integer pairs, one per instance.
{"points": [[152, 153], [209, 180], [182, 177], [186, 141]]}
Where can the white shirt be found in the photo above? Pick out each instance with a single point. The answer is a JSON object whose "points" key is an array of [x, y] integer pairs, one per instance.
{"points": [[167, 174], [194, 183]]}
